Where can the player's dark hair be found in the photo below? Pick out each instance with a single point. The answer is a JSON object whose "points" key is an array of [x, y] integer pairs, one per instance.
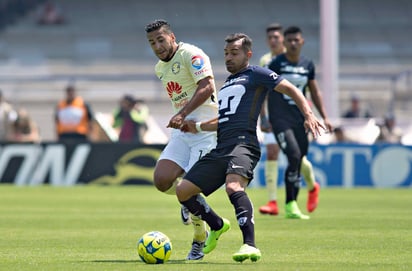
{"points": [[274, 27], [157, 24], [292, 30], [246, 41]]}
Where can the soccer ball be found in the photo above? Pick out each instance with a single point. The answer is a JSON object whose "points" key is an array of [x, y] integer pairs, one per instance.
{"points": [[154, 247]]}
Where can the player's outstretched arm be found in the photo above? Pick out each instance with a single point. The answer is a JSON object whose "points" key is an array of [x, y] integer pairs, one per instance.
{"points": [[318, 101], [312, 124]]}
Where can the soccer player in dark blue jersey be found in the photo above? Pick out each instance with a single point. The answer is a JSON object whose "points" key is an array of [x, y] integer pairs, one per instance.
{"points": [[237, 152], [287, 120]]}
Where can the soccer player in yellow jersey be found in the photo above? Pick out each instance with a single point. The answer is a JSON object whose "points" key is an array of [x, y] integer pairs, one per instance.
{"points": [[187, 76], [275, 41]]}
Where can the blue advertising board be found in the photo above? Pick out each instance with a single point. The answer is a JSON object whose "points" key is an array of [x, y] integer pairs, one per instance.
{"points": [[353, 165]]}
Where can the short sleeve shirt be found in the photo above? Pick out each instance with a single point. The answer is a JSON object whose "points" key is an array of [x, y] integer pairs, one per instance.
{"points": [[240, 100], [180, 76]]}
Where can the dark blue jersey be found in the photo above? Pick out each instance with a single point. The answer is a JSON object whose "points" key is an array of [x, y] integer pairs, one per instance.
{"points": [[240, 100], [283, 112]]}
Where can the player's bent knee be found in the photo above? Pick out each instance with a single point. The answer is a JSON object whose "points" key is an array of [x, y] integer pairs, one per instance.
{"points": [[185, 190], [162, 184], [233, 186]]}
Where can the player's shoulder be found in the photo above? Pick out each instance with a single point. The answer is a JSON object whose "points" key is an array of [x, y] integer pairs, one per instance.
{"points": [[256, 68], [279, 58], [258, 72], [306, 60], [276, 61], [265, 59], [189, 49]]}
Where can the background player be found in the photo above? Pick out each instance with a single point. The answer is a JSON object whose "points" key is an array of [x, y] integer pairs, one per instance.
{"points": [[237, 152], [275, 42], [274, 39], [187, 76], [287, 120]]}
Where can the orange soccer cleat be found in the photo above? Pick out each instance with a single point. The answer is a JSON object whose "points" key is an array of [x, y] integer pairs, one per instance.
{"points": [[271, 208], [313, 198]]}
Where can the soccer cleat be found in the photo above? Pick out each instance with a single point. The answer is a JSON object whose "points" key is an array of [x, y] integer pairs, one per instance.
{"points": [[293, 211], [271, 208], [185, 215], [313, 198], [211, 240], [196, 253], [247, 252]]}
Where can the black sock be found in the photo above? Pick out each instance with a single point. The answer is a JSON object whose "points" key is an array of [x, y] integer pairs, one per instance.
{"points": [[244, 214], [292, 185], [198, 207]]}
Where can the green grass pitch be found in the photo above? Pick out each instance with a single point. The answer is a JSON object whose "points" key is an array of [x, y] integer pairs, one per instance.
{"points": [[97, 227]]}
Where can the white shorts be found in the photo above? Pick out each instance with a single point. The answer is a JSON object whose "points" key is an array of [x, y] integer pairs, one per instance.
{"points": [[185, 148], [269, 138]]}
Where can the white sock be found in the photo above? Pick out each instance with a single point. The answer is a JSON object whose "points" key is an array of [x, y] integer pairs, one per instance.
{"points": [[271, 176]]}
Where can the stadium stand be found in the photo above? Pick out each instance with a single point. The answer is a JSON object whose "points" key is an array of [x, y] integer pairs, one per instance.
{"points": [[103, 48]]}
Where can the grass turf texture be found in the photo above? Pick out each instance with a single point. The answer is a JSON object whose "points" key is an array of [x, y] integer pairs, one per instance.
{"points": [[97, 228]]}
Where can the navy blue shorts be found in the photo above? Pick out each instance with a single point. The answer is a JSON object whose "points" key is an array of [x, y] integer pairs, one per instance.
{"points": [[209, 173]]}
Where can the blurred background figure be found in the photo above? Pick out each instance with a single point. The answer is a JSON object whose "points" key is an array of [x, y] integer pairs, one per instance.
{"points": [[389, 132], [130, 119], [340, 136], [73, 118], [6, 115], [50, 14], [355, 110], [23, 129]]}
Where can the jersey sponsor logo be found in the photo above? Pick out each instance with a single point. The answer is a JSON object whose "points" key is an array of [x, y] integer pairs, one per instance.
{"points": [[176, 67], [173, 87], [179, 97], [41, 162], [198, 62], [293, 69], [201, 71], [274, 75], [233, 81]]}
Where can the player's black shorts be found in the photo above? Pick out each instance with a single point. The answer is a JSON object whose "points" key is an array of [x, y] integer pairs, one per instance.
{"points": [[209, 173], [293, 140]]}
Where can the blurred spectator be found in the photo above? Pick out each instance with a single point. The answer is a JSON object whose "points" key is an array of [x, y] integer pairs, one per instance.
{"points": [[50, 14], [6, 115], [340, 136], [130, 118], [389, 132], [73, 118], [23, 129], [355, 110]]}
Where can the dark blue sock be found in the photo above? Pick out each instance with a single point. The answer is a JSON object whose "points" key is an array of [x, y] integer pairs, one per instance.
{"points": [[244, 214], [197, 206]]}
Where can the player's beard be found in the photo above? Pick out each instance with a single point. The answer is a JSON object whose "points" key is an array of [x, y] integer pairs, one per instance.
{"points": [[170, 53]]}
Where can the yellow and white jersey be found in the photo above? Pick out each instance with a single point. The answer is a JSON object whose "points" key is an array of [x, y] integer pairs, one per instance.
{"points": [[265, 59], [180, 75]]}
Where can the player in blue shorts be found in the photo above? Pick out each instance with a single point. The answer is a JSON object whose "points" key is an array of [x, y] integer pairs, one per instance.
{"points": [[237, 152]]}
